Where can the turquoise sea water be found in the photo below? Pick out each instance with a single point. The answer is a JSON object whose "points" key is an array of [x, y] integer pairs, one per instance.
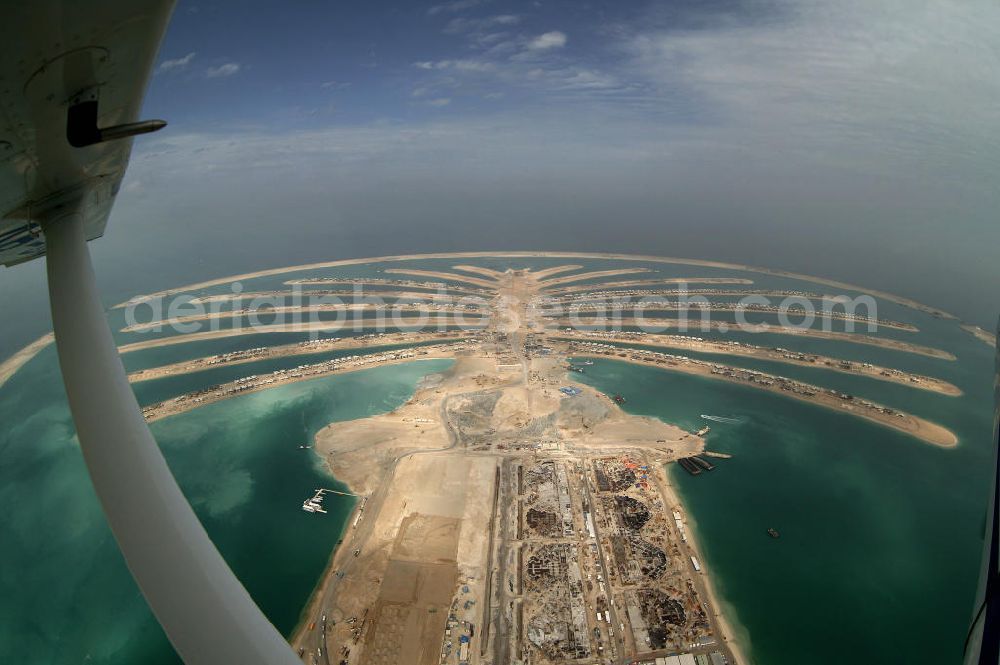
{"points": [[880, 533], [65, 594]]}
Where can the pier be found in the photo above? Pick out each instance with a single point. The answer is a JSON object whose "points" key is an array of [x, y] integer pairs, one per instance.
{"points": [[315, 504], [709, 453]]}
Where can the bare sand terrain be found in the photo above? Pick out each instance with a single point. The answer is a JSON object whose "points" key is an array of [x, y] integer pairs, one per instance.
{"points": [[684, 342], [453, 276], [984, 336], [549, 281], [602, 294], [592, 313], [254, 383], [585, 288], [9, 366], [583, 255], [545, 273], [374, 343], [296, 313], [479, 270], [904, 422], [694, 326], [435, 323], [307, 285], [427, 470], [250, 297], [19, 357]]}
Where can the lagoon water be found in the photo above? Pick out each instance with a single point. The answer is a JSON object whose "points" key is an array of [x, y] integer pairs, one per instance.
{"points": [[65, 594], [880, 534]]}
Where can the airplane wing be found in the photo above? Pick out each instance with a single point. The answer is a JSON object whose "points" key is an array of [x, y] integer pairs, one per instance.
{"points": [[72, 80], [64, 61]]}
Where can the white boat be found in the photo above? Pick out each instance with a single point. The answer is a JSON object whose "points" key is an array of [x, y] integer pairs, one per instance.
{"points": [[721, 419]]}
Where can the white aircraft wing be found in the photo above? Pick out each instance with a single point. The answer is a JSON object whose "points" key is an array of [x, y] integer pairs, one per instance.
{"points": [[72, 79], [59, 56]]}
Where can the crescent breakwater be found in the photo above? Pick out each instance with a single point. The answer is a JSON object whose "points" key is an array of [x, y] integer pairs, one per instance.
{"points": [[906, 302]]}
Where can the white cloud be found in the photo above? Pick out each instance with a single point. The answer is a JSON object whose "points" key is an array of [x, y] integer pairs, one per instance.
{"points": [[888, 87], [458, 65], [588, 79], [456, 6], [227, 69], [176, 63], [554, 39], [850, 132], [478, 25]]}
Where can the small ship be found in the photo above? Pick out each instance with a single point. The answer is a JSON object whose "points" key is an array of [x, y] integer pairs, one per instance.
{"points": [[773, 533]]}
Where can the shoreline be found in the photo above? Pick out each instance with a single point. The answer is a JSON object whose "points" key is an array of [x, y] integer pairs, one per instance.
{"points": [[228, 390], [333, 344], [901, 300], [984, 336], [817, 361], [316, 595], [837, 336], [379, 458], [917, 427], [382, 312], [21, 357], [731, 634], [322, 327], [735, 633], [338, 555], [9, 366]]}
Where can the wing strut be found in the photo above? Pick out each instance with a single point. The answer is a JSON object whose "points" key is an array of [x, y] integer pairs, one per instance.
{"points": [[982, 644], [207, 614]]}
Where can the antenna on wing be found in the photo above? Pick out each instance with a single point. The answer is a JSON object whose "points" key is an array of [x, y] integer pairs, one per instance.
{"points": [[81, 123]]}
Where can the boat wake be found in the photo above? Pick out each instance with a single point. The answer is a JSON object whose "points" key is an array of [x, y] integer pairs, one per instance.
{"points": [[722, 419]]}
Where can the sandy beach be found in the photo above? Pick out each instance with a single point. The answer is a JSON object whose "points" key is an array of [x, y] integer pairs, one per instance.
{"points": [[9, 366], [694, 326], [682, 342], [982, 335], [569, 255], [906, 423]]}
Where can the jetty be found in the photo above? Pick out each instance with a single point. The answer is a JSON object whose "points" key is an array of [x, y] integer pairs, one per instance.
{"points": [[689, 466], [709, 453], [315, 503]]}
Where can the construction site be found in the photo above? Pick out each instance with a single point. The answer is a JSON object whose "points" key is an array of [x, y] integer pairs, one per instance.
{"points": [[511, 518], [606, 573]]}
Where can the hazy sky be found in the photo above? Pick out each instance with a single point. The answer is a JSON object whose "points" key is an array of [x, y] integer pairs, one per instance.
{"points": [[857, 139]]}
